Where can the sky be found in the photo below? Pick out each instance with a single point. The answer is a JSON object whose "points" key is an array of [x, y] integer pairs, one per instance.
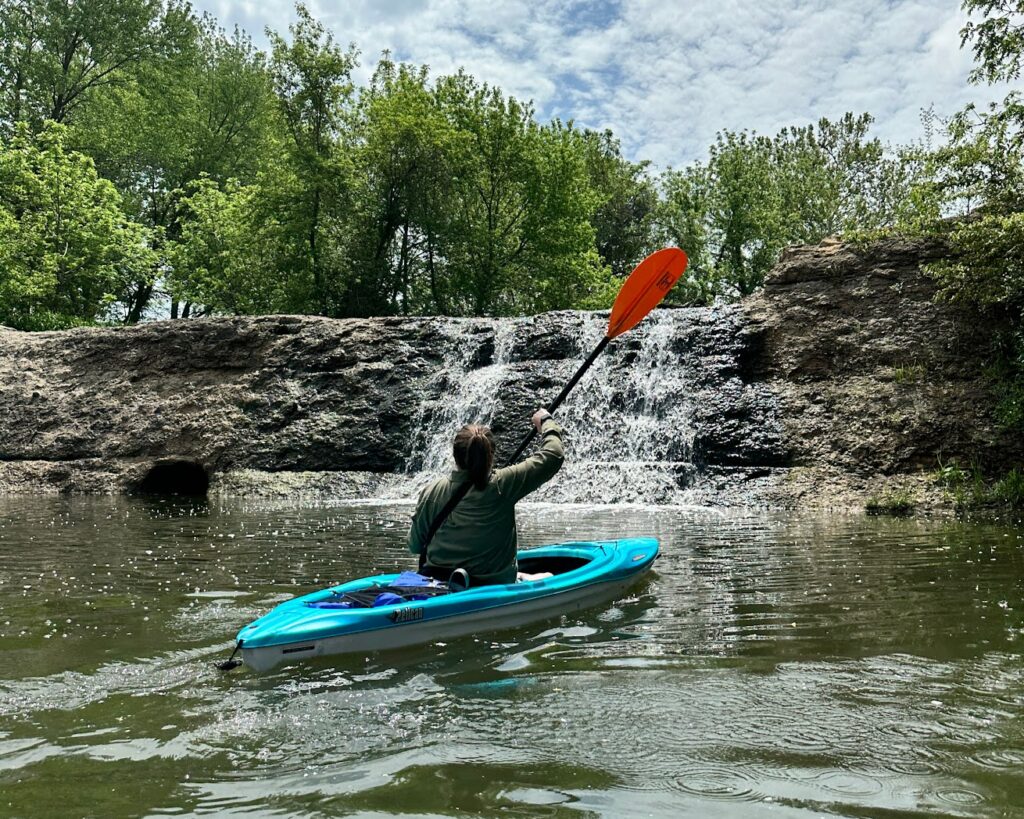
{"points": [[666, 76]]}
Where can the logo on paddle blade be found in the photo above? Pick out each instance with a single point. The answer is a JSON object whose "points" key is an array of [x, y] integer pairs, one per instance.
{"points": [[665, 282]]}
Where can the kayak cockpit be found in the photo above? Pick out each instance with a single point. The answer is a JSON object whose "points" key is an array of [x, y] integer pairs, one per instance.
{"points": [[555, 564], [411, 586]]}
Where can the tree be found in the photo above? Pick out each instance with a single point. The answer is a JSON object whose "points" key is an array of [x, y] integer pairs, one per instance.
{"points": [[623, 221], [979, 173], [403, 157], [515, 234], [562, 265], [206, 111], [67, 250], [755, 195], [998, 39], [57, 53], [312, 78], [228, 255], [978, 176], [740, 216]]}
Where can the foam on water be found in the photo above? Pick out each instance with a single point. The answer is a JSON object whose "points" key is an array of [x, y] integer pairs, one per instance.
{"points": [[628, 421]]}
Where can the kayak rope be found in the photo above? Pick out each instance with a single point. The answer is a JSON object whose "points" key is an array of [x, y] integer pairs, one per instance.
{"points": [[231, 662]]}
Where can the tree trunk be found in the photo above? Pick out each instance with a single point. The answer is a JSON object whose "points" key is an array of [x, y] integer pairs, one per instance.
{"points": [[138, 304], [314, 226]]}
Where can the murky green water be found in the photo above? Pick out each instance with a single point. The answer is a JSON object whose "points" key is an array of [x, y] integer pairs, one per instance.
{"points": [[773, 666]]}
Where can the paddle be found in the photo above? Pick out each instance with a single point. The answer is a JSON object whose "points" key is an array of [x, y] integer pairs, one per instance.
{"points": [[640, 293], [646, 286]]}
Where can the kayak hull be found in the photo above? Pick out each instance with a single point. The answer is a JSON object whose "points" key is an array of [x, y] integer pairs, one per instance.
{"points": [[591, 573]]}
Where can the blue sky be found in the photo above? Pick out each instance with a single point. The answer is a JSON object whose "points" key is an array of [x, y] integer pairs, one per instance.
{"points": [[665, 76]]}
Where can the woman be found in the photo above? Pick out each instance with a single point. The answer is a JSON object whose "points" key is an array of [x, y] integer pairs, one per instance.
{"points": [[479, 535]]}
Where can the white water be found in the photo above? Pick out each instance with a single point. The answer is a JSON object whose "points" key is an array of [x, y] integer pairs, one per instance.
{"points": [[628, 421]]}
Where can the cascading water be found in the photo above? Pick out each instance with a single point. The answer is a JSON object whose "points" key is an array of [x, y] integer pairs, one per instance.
{"points": [[628, 422], [464, 391], [469, 392]]}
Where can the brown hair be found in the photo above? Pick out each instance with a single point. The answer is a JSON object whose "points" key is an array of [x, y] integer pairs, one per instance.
{"points": [[474, 452]]}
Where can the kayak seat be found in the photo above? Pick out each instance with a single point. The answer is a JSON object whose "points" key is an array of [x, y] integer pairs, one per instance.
{"points": [[458, 580]]}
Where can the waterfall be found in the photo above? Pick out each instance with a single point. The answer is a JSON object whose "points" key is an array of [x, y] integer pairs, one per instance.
{"points": [[471, 396], [628, 422], [464, 391]]}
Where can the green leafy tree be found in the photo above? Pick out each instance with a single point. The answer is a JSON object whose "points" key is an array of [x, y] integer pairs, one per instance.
{"points": [[979, 173], [997, 39], [563, 265], [67, 251], [403, 173], [483, 240], [755, 195], [515, 235], [623, 221], [229, 256], [977, 178], [312, 78], [57, 53], [205, 111], [727, 214]]}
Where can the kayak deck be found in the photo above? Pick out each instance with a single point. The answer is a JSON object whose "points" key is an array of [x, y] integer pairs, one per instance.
{"points": [[584, 574]]}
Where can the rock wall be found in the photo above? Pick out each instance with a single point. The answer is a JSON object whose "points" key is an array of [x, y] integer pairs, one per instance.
{"points": [[94, 409], [285, 405], [878, 381], [842, 378]]}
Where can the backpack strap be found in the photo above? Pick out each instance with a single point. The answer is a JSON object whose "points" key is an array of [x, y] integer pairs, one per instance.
{"points": [[442, 516]]}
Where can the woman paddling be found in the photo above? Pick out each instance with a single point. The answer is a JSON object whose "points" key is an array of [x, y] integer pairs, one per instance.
{"points": [[479, 535]]}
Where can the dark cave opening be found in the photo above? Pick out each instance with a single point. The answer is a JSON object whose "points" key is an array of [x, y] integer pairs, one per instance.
{"points": [[176, 477]]}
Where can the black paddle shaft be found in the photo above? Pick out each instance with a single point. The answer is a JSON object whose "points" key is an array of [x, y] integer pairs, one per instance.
{"points": [[561, 396]]}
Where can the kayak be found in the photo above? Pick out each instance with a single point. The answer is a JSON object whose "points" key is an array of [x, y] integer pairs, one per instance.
{"points": [[374, 614]]}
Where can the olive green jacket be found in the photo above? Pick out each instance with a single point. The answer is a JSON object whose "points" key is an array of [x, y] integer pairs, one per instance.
{"points": [[480, 533]]}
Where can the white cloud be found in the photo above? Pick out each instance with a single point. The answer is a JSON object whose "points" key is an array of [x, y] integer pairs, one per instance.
{"points": [[666, 75]]}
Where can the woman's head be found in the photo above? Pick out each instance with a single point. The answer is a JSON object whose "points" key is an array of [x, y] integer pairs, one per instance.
{"points": [[474, 452]]}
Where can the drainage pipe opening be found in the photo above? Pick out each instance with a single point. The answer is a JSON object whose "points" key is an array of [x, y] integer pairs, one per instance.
{"points": [[175, 478]]}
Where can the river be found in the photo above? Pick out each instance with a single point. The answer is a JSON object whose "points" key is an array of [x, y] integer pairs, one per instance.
{"points": [[772, 665]]}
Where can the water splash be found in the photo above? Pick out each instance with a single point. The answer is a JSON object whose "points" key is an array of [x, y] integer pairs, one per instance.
{"points": [[468, 385], [628, 422]]}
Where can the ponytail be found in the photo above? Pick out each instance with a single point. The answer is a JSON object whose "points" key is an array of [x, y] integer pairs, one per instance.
{"points": [[474, 452]]}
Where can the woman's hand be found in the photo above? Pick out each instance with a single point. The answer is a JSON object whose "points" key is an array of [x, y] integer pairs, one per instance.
{"points": [[539, 417]]}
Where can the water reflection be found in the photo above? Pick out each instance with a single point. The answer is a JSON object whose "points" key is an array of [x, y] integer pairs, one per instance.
{"points": [[803, 663]]}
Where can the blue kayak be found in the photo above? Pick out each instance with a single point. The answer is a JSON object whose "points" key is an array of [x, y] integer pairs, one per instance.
{"points": [[326, 622]]}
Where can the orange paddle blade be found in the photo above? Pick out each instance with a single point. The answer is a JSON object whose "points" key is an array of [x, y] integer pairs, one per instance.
{"points": [[645, 288]]}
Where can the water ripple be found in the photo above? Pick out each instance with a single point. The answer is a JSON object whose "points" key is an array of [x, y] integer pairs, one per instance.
{"points": [[794, 664]]}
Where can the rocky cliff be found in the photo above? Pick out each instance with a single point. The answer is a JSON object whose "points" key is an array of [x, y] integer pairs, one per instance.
{"points": [[878, 382], [843, 376]]}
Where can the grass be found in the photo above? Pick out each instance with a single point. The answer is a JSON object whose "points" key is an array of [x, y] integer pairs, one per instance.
{"points": [[1009, 490], [909, 373], [897, 503], [968, 488]]}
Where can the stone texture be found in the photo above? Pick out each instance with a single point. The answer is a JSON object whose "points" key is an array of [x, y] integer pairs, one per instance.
{"points": [[877, 380]]}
